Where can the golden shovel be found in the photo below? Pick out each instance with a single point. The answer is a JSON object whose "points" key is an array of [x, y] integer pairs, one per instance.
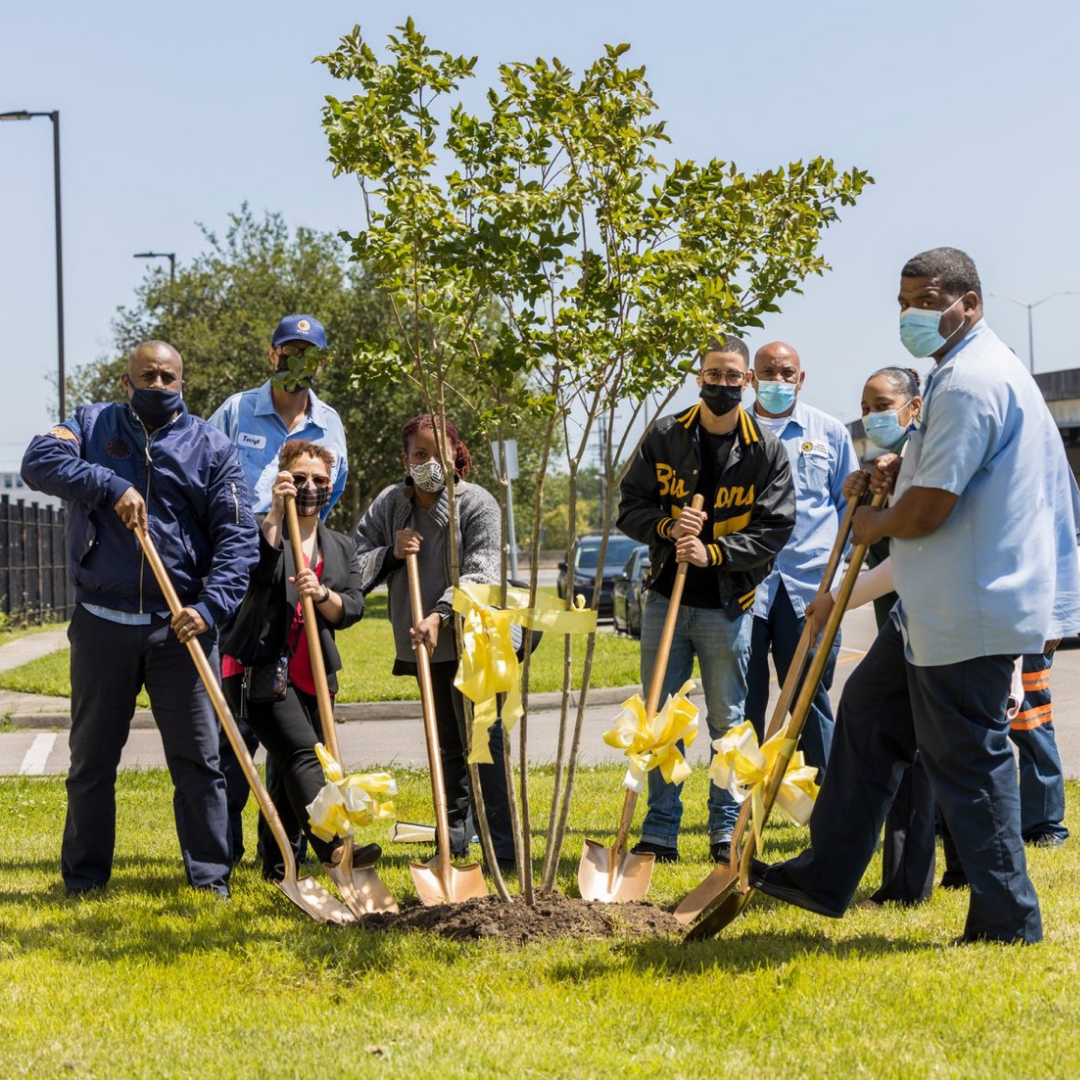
{"points": [[437, 882], [306, 893], [726, 906], [613, 875], [360, 886]]}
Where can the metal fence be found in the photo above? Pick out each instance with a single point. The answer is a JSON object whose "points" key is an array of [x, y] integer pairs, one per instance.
{"points": [[33, 568]]}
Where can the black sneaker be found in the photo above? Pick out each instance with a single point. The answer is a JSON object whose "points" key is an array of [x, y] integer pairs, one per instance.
{"points": [[81, 892], [662, 853], [721, 851], [770, 881], [366, 855], [1045, 839], [953, 879]]}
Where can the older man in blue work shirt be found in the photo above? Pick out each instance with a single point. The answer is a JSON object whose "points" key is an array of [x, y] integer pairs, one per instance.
{"points": [[285, 407], [984, 561], [259, 422], [821, 455]]}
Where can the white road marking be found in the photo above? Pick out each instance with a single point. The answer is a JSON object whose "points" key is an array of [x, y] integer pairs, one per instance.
{"points": [[38, 755]]}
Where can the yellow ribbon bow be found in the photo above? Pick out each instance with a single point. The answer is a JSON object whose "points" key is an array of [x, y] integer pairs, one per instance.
{"points": [[653, 744], [742, 768], [347, 800], [489, 664]]}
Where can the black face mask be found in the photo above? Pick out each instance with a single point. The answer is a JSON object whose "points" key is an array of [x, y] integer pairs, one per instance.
{"points": [[155, 408], [721, 399], [289, 380]]}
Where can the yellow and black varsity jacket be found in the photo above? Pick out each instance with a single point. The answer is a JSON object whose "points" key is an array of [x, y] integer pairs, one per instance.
{"points": [[752, 509]]}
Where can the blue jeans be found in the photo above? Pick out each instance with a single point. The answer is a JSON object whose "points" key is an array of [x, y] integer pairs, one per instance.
{"points": [[780, 632], [723, 649]]}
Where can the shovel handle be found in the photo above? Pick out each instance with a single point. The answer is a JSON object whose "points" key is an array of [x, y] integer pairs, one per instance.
{"points": [[431, 730], [221, 707], [809, 689], [314, 646], [656, 683]]}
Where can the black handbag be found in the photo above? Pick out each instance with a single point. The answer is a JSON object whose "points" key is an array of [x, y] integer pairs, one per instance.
{"points": [[264, 683]]}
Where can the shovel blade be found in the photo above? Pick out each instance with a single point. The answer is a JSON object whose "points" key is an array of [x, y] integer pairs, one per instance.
{"points": [[613, 877], [454, 885], [707, 893], [362, 889], [314, 900], [726, 910]]}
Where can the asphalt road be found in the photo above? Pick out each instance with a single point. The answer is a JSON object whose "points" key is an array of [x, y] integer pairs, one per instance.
{"points": [[400, 742]]}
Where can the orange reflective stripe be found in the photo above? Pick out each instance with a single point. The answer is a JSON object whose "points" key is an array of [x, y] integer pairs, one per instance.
{"points": [[1037, 680], [1033, 718]]}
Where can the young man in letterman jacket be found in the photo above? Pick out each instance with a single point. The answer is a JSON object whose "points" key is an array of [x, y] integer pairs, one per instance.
{"points": [[715, 449]]}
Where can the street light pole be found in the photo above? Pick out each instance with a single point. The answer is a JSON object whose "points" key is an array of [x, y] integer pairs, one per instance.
{"points": [[170, 255], [54, 116], [1030, 307]]}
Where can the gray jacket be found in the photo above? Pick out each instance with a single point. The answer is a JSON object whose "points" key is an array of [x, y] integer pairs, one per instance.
{"points": [[479, 529]]}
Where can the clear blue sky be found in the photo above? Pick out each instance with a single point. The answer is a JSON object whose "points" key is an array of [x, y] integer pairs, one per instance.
{"points": [[965, 113]]}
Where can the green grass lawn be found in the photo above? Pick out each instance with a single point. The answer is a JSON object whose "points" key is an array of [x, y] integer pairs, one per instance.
{"points": [[154, 980], [367, 653]]}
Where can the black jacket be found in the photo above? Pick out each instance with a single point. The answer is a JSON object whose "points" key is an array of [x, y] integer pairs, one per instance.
{"points": [[258, 632], [752, 509]]}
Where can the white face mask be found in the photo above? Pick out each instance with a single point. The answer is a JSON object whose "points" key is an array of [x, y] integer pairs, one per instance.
{"points": [[428, 477]]}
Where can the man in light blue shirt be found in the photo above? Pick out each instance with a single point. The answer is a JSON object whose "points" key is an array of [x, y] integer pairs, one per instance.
{"points": [[821, 455], [984, 560], [259, 421]]}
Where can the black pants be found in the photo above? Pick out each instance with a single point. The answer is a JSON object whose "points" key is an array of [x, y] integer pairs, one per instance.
{"points": [[110, 663], [907, 851], [289, 730], [450, 722], [956, 717]]}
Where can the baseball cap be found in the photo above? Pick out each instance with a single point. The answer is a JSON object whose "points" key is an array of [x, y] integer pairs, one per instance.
{"points": [[299, 328]]}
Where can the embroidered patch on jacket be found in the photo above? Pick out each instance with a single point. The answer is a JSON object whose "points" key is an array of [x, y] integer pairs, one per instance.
{"points": [[119, 448], [62, 432]]}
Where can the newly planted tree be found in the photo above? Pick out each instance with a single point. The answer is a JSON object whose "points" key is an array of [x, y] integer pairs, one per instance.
{"points": [[545, 247]]}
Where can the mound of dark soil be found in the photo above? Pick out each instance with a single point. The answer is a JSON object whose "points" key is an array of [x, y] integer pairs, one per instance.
{"points": [[554, 916]]}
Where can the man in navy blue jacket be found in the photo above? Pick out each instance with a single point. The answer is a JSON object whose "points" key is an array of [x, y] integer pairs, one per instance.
{"points": [[146, 462]]}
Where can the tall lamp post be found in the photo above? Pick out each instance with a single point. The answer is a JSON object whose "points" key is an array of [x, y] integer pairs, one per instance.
{"points": [[1030, 307], [170, 255], [54, 116]]}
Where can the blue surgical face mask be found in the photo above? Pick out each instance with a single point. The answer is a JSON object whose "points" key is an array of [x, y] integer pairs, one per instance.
{"points": [[776, 397], [885, 430], [920, 333]]}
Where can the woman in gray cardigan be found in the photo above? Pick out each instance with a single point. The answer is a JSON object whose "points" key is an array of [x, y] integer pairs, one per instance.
{"points": [[413, 517]]}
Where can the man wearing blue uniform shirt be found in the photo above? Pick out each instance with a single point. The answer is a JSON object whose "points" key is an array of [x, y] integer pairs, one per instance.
{"points": [[259, 422], [984, 560], [145, 462], [284, 407], [821, 455]]}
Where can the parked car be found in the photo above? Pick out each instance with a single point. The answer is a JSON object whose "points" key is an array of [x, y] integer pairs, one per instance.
{"points": [[626, 592], [586, 556]]}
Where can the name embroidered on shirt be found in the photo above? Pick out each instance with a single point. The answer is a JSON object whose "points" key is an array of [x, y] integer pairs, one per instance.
{"points": [[254, 442]]}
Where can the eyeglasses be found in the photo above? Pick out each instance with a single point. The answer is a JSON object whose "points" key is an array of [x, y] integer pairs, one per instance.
{"points": [[318, 481], [729, 378]]}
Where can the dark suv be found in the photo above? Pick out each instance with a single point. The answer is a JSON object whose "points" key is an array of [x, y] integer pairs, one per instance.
{"points": [[586, 556]]}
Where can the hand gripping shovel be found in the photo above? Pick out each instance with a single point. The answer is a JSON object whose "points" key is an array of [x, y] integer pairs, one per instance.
{"points": [[360, 886], [306, 893], [726, 906], [614, 875], [437, 882], [727, 873]]}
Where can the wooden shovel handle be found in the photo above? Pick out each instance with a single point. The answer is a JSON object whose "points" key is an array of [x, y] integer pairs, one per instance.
{"points": [[659, 672], [314, 646], [431, 730], [221, 707], [809, 688]]}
